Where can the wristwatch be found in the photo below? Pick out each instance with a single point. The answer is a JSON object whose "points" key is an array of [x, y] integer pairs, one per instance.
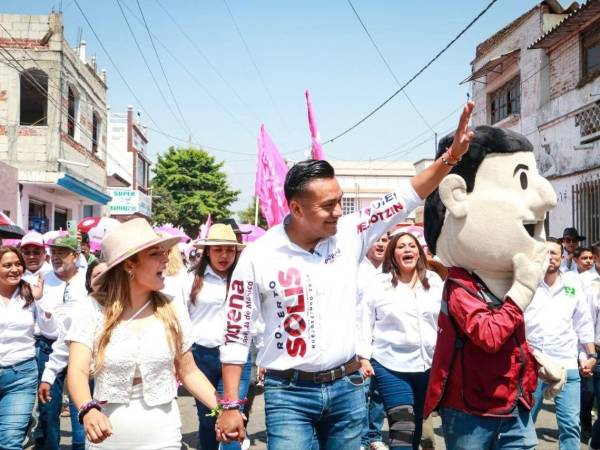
{"points": [[592, 355]]}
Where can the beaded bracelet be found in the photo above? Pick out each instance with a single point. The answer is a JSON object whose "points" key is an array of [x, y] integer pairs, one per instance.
{"points": [[449, 159], [87, 407]]}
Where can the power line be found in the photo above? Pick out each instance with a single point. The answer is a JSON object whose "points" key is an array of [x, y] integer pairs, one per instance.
{"points": [[106, 52], [431, 61], [62, 110], [193, 77], [255, 65], [162, 68], [364, 27], [150, 71], [206, 59]]}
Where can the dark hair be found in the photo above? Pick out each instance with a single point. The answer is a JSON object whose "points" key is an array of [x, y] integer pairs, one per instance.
{"points": [[557, 242], [199, 270], [88, 273], [302, 173], [579, 250], [596, 248], [391, 266], [24, 287], [85, 238], [487, 140]]}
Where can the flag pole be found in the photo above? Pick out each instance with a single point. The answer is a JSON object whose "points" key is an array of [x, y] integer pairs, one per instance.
{"points": [[255, 211]]}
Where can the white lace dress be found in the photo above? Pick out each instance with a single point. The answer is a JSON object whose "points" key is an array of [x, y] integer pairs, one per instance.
{"points": [[144, 416]]}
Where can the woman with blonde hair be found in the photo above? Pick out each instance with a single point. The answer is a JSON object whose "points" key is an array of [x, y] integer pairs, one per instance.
{"points": [[135, 342], [177, 284], [398, 335]]}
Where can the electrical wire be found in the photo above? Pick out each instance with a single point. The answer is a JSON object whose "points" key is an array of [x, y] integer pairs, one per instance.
{"points": [[112, 61], [162, 68], [194, 78], [419, 72], [256, 68], [389, 68], [150, 71], [208, 62]]}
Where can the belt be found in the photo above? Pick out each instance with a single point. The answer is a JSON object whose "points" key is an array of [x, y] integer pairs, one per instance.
{"points": [[326, 376]]}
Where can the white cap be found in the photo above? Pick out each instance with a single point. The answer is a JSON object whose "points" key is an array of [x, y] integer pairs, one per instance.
{"points": [[32, 238]]}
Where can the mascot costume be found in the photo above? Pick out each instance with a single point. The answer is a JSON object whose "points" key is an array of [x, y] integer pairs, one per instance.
{"points": [[486, 223]]}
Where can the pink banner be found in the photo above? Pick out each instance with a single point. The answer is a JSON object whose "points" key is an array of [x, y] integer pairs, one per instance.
{"points": [[204, 228], [270, 178], [317, 148]]}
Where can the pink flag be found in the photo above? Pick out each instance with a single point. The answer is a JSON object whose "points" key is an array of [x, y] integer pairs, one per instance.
{"points": [[317, 148], [270, 178], [204, 228]]}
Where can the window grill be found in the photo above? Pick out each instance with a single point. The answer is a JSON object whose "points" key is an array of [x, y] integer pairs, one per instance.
{"points": [[588, 122]]}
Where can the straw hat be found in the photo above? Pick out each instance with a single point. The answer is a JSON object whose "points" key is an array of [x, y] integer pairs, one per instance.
{"points": [[127, 239], [220, 234]]}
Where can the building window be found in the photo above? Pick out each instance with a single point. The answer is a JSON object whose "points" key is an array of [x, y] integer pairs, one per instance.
{"points": [[34, 98], [72, 111], [60, 218], [588, 122], [590, 52], [96, 131], [505, 101], [348, 205], [586, 210], [38, 220], [142, 172], [88, 210]]}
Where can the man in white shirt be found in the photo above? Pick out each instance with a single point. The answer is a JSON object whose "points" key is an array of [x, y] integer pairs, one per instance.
{"points": [[555, 321], [570, 242], [369, 267], [300, 281], [63, 286], [34, 251], [588, 262]]}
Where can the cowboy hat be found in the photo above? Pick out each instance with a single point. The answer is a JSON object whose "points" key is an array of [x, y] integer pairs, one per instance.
{"points": [[127, 239], [220, 234], [572, 233]]}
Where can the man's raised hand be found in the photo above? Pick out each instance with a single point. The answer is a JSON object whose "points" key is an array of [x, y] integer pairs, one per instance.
{"points": [[464, 135]]}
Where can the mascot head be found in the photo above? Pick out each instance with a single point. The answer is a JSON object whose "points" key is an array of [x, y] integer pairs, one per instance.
{"points": [[491, 206]]}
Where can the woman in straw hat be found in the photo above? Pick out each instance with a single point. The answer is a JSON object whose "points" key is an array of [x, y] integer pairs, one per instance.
{"points": [[130, 337], [206, 306]]}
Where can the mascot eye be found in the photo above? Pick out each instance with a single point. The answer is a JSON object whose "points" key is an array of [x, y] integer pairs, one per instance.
{"points": [[523, 179]]}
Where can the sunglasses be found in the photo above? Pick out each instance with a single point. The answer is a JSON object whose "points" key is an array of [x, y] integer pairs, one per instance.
{"points": [[570, 240]]}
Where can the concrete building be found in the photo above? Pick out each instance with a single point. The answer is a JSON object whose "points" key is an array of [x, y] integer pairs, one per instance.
{"points": [[540, 76], [128, 167], [52, 122], [10, 190], [366, 181]]}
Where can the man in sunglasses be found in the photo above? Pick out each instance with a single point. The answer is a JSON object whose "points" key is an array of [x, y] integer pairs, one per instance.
{"points": [[570, 241]]}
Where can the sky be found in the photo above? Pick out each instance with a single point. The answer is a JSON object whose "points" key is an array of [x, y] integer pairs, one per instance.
{"points": [[234, 64]]}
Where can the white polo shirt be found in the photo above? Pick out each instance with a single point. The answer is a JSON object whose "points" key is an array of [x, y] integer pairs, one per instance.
{"points": [[399, 325], [558, 318], [307, 300], [208, 312], [57, 299]]}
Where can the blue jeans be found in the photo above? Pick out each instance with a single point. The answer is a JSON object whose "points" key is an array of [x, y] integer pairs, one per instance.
{"points": [[297, 410], [567, 410], [375, 414], [18, 388], [209, 362], [595, 442], [403, 388], [463, 431], [48, 437]]}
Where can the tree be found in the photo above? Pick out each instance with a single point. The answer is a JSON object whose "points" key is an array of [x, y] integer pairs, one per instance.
{"points": [[247, 215], [188, 185]]}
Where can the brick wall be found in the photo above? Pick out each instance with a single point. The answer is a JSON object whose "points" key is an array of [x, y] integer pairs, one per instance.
{"points": [[564, 67]]}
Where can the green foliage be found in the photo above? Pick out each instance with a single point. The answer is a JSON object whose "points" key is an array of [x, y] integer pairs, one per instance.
{"points": [[188, 185], [247, 215]]}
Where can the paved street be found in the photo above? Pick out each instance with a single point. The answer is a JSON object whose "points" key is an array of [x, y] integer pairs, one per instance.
{"points": [[547, 430]]}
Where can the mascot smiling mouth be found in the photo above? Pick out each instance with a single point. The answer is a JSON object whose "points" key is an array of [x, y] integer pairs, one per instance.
{"points": [[535, 229]]}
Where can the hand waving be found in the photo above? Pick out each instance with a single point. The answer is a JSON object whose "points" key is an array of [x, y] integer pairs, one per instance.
{"points": [[463, 135], [37, 290]]}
